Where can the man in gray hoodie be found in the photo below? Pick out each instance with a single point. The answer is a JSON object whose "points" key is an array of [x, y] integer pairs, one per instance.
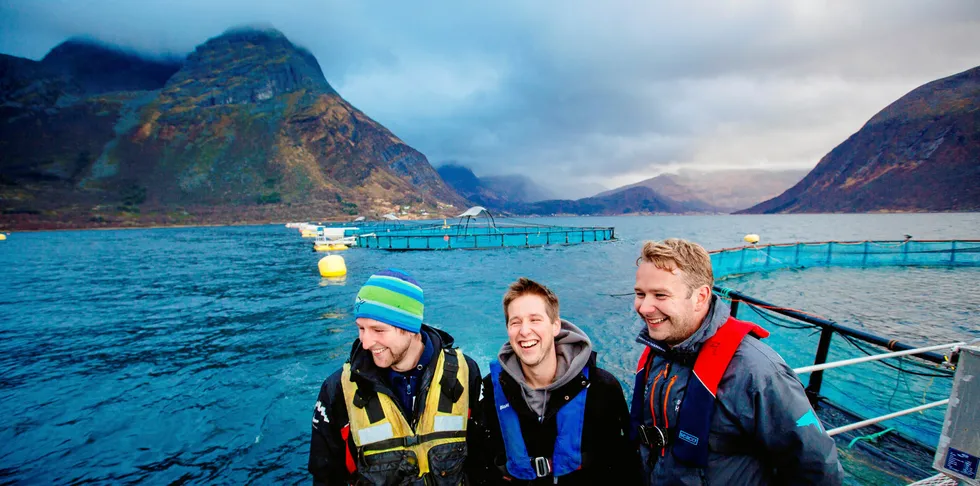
{"points": [[712, 404], [551, 414]]}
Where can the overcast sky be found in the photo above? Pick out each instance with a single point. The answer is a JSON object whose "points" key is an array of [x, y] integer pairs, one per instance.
{"points": [[574, 93]]}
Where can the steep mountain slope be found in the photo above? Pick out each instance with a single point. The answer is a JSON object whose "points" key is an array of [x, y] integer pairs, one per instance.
{"points": [[247, 130], [921, 153]]}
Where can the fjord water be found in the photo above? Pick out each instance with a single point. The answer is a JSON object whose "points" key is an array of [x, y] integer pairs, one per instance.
{"points": [[195, 354]]}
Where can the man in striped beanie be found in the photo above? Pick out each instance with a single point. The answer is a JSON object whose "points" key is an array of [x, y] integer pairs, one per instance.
{"points": [[403, 398]]}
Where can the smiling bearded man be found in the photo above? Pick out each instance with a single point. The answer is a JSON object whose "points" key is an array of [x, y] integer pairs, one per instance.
{"points": [[712, 404], [550, 412], [399, 411]]}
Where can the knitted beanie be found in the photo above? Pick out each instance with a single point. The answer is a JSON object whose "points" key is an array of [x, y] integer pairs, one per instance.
{"points": [[392, 297]]}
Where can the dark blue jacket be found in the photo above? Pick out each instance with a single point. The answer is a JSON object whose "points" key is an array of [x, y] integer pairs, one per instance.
{"points": [[762, 429]]}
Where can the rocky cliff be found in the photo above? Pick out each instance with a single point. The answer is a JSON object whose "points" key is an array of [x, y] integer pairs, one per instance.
{"points": [[247, 130]]}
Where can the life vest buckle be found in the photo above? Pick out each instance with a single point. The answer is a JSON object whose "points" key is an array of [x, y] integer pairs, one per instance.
{"points": [[411, 440], [542, 466]]}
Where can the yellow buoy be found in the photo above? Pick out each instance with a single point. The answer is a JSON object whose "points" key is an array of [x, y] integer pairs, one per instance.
{"points": [[753, 238], [3, 237], [332, 266], [329, 247]]}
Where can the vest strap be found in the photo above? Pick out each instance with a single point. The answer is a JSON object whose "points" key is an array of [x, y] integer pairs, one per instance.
{"points": [[369, 401], [697, 409], [452, 389], [412, 440]]}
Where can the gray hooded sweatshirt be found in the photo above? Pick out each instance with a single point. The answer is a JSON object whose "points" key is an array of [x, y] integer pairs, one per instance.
{"points": [[573, 349]]}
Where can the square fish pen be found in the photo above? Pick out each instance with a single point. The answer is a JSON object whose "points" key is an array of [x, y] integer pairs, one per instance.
{"points": [[478, 229]]}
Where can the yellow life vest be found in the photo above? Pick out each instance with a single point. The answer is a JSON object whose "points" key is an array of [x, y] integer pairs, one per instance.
{"points": [[383, 436]]}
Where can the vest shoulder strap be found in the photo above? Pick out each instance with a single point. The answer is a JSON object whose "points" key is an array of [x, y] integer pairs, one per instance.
{"points": [[717, 351], [363, 398], [452, 389]]}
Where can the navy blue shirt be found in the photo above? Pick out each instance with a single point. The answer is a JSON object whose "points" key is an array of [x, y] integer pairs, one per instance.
{"points": [[405, 385]]}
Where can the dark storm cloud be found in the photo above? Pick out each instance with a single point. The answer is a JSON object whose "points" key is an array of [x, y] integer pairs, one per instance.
{"points": [[577, 92]]}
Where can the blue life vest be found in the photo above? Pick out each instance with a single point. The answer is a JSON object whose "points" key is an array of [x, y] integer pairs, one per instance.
{"points": [[567, 456]]}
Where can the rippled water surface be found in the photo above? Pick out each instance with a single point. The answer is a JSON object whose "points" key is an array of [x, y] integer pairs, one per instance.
{"points": [[195, 354]]}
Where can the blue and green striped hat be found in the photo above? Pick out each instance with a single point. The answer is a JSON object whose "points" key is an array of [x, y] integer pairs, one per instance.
{"points": [[392, 297]]}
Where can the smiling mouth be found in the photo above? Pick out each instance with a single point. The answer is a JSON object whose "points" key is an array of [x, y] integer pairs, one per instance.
{"points": [[656, 321], [377, 352], [528, 344]]}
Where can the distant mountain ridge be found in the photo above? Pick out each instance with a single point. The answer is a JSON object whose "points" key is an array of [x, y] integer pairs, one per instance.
{"points": [[634, 200], [493, 192], [920, 153], [246, 130], [723, 191], [637, 200]]}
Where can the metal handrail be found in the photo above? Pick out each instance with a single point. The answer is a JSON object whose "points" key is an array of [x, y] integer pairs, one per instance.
{"points": [[865, 359], [864, 423]]}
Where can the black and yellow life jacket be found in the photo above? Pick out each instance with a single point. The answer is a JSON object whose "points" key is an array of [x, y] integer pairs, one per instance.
{"points": [[389, 451]]}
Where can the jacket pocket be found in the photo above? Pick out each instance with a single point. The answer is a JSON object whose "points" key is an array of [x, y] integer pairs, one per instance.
{"points": [[446, 463], [395, 468]]}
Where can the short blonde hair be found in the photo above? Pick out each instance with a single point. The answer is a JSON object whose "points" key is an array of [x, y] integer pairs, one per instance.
{"points": [[677, 254], [525, 286]]}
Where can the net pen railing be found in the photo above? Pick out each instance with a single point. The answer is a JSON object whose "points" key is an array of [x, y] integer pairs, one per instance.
{"points": [[731, 262], [511, 237]]}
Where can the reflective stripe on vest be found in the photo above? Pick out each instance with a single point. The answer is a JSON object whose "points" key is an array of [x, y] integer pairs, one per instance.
{"points": [[392, 432], [690, 444], [567, 456]]}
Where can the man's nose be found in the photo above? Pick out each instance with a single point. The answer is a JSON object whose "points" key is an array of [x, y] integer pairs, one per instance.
{"points": [[525, 328], [367, 339], [647, 306]]}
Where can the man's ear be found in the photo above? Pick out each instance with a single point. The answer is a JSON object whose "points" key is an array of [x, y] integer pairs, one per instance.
{"points": [[704, 297], [556, 326]]}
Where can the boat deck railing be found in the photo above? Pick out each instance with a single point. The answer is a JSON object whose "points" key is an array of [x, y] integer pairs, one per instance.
{"points": [[827, 330], [865, 359], [873, 457]]}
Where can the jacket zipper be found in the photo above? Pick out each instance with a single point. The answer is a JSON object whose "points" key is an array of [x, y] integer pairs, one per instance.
{"points": [[663, 450]]}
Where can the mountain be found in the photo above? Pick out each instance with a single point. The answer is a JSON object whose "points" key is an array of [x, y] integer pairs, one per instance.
{"points": [[635, 200], [921, 153], [517, 188], [471, 187], [507, 195], [246, 130], [722, 191], [497, 193], [99, 68]]}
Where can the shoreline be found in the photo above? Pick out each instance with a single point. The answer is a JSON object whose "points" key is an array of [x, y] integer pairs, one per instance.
{"points": [[631, 215]]}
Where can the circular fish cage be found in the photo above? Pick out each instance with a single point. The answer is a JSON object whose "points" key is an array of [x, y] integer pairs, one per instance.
{"points": [[477, 229]]}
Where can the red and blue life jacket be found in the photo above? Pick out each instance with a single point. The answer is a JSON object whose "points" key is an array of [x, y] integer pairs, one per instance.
{"points": [[690, 442]]}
